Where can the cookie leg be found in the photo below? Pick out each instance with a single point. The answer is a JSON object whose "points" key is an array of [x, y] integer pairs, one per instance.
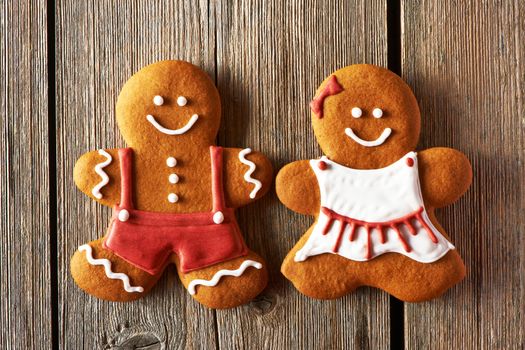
{"points": [[322, 276], [228, 284], [412, 281], [330, 276], [101, 273]]}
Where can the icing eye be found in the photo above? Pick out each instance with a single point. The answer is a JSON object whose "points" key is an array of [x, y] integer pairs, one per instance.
{"points": [[158, 100], [181, 101], [377, 113], [357, 112]]}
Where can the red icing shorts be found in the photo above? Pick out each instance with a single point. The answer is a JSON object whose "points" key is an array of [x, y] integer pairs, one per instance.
{"points": [[147, 239]]}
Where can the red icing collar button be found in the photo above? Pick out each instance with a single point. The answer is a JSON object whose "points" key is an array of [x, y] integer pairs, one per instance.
{"points": [[410, 162], [322, 165]]}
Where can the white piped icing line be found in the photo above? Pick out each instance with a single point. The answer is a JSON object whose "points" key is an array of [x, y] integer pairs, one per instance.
{"points": [[377, 142], [102, 173], [107, 268], [248, 175], [221, 273], [167, 131]]}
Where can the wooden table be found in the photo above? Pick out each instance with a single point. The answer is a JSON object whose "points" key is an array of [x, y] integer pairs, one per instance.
{"points": [[62, 66]]}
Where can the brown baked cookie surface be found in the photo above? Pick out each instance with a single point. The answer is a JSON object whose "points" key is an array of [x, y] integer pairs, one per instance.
{"points": [[174, 194], [373, 197]]}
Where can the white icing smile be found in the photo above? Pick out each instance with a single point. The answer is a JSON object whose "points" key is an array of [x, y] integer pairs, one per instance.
{"points": [[377, 142], [167, 131]]}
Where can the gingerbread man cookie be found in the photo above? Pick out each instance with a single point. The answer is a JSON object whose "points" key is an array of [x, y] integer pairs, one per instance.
{"points": [[373, 197], [174, 193]]}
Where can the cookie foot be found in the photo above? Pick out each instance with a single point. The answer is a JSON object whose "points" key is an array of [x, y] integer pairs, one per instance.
{"points": [[320, 277], [104, 275], [229, 284], [329, 276], [415, 281]]}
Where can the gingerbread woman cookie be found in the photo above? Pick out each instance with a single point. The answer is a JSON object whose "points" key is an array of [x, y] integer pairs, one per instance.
{"points": [[174, 193], [372, 196]]}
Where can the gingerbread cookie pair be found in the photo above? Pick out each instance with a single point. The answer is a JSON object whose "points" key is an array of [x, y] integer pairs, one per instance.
{"points": [[174, 194]]}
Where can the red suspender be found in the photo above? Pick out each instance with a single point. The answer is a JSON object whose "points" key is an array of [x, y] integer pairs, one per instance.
{"points": [[126, 186], [217, 190]]}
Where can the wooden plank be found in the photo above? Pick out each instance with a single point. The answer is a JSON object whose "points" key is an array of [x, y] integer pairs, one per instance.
{"points": [[25, 294], [466, 65], [100, 44], [271, 56]]}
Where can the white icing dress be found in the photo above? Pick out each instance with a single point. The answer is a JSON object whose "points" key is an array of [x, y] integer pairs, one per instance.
{"points": [[366, 213]]}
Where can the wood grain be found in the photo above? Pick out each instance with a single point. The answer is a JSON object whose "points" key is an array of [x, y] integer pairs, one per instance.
{"points": [[271, 56], [24, 184], [100, 44], [465, 63], [466, 66]]}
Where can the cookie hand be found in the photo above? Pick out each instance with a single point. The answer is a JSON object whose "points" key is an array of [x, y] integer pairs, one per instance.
{"points": [[445, 175], [297, 188], [247, 176], [97, 174]]}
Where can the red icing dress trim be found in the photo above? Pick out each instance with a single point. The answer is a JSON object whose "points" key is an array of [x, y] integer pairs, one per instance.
{"points": [[332, 88], [379, 226], [147, 239]]}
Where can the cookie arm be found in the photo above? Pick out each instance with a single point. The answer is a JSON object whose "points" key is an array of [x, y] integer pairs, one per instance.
{"points": [[445, 175], [297, 188], [104, 190], [242, 185]]}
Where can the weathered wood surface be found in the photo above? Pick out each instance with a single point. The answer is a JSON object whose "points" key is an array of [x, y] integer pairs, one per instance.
{"points": [[25, 293], [265, 107], [100, 44], [271, 57], [466, 64]]}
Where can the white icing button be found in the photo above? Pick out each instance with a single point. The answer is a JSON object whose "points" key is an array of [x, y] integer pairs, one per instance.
{"points": [[218, 217], [377, 113], [357, 112], [123, 215], [173, 198], [174, 178], [181, 101], [158, 100], [171, 162]]}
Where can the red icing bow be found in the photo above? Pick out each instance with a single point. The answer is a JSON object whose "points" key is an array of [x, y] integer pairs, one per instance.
{"points": [[332, 88]]}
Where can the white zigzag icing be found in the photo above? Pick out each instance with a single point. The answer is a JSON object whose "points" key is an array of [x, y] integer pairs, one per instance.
{"points": [[101, 173], [248, 175], [221, 273], [107, 268]]}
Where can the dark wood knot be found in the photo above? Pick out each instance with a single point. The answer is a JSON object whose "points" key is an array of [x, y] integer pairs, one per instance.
{"points": [[263, 303]]}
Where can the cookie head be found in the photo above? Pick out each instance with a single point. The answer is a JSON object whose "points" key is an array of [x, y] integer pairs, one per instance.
{"points": [[365, 117], [169, 103]]}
